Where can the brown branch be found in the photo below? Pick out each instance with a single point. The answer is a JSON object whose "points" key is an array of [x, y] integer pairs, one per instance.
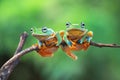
{"points": [[104, 45], [9, 66], [4, 71], [23, 38]]}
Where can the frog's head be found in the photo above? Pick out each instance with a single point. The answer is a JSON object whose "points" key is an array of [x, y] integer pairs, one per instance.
{"points": [[42, 33], [76, 29], [81, 26]]}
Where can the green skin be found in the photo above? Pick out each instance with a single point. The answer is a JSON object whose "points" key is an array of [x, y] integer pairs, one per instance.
{"points": [[38, 31], [42, 34], [76, 26], [70, 26]]}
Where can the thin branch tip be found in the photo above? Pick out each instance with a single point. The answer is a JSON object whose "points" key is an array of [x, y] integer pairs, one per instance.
{"points": [[24, 34], [100, 45]]}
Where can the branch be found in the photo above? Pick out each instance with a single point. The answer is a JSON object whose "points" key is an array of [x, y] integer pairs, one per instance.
{"points": [[23, 38], [9, 66], [4, 71], [104, 45]]}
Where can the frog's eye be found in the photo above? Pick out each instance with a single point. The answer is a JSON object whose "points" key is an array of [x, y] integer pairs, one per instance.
{"points": [[31, 29], [44, 29], [82, 25], [68, 24]]}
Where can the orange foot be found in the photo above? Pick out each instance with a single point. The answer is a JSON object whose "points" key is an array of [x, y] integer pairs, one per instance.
{"points": [[85, 45]]}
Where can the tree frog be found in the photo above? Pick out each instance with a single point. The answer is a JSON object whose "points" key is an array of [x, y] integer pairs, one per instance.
{"points": [[42, 33], [75, 32], [48, 40], [77, 38]]}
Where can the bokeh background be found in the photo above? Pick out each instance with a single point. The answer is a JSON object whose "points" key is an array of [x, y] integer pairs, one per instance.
{"points": [[100, 16]]}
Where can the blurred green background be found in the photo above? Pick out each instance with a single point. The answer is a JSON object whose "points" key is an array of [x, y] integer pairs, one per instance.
{"points": [[100, 16]]}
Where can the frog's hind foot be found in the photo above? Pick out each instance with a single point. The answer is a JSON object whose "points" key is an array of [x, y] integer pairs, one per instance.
{"points": [[45, 54], [85, 45]]}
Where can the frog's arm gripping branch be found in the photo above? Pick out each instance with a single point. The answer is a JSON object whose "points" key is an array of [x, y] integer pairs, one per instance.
{"points": [[9, 66]]}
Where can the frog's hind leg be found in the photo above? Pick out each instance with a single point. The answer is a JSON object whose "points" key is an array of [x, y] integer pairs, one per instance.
{"points": [[44, 53], [68, 52], [47, 51], [85, 45]]}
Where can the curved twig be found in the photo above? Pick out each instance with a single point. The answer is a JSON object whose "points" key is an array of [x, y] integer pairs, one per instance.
{"points": [[4, 71], [23, 38]]}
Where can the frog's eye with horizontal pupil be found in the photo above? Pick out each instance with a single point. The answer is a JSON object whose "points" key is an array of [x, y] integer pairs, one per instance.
{"points": [[68, 24], [82, 25], [31, 29], [44, 29]]}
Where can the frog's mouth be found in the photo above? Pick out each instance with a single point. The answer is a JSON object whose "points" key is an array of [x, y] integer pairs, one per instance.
{"points": [[41, 36]]}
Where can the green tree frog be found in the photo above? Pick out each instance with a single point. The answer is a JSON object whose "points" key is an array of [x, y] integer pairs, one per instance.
{"points": [[77, 37], [48, 40]]}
